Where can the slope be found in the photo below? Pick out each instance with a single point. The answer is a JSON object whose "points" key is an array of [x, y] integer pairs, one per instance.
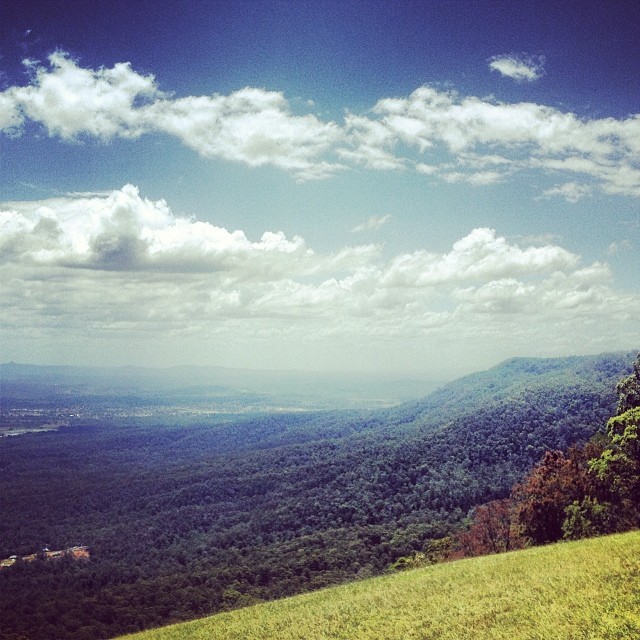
{"points": [[183, 521], [586, 589]]}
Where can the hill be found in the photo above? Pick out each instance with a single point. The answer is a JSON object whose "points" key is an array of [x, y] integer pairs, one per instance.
{"points": [[187, 519], [586, 589], [522, 378]]}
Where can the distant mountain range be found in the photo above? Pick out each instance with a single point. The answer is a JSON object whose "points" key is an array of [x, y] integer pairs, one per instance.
{"points": [[194, 383], [185, 519]]}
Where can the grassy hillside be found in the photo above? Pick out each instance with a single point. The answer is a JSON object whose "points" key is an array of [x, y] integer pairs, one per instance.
{"points": [[189, 520], [581, 590]]}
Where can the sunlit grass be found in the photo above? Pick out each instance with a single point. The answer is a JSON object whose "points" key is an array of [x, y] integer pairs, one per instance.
{"points": [[587, 590]]}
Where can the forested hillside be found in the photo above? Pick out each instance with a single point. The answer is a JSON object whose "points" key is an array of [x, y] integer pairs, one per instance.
{"points": [[188, 520]]}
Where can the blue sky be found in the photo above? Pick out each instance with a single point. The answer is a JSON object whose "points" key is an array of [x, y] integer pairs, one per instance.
{"points": [[408, 187]]}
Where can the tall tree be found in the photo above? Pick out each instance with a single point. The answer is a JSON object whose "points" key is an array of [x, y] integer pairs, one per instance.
{"points": [[492, 530], [618, 467], [590, 490], [629, 389], [556, 482]]}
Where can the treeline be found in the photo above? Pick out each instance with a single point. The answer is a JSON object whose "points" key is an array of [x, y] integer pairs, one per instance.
{"points": [[186, 521], [589, 490]]}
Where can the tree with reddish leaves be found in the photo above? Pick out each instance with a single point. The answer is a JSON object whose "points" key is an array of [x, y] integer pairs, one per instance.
{"points": [[557, 481], [492, 530]]}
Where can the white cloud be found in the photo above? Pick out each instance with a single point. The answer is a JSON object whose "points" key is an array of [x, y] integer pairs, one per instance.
{"points": [[482, 141], [71, 101], [427, 169], [477, 178], [372, 223], [506, 295], [479, 141], [253, 126], [370, 144], [117, 266], [570, 191], [521, 68], [121, 231], [583, 292], [481, 255]]}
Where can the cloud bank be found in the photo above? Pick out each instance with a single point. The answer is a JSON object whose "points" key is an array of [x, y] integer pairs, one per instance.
{"points": [[120, 263], [440, 134]]}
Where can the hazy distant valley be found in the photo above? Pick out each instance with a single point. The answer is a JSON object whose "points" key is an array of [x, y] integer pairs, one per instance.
{"points": [[197, 496], [35, 398]]}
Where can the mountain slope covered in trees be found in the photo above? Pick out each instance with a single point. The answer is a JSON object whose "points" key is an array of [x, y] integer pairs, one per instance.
{"points": [[193, 519]]}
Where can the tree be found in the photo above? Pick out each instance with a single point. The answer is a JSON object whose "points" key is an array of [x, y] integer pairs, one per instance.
{"points": [[492, 530], [590, 490], [618, 466], [556, 482], [586, 519], [628, 390]]}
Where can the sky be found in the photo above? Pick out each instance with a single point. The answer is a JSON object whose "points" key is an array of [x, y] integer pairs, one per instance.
{"points": [[409, 188]]}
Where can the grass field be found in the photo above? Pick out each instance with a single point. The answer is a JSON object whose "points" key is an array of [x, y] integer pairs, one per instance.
{"points": [[586, 590]]}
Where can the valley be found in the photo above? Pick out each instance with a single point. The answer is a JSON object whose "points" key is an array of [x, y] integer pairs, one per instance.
{"points": [[188, 517], [320, 319]]}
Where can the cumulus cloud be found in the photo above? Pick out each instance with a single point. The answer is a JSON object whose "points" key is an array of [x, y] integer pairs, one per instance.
{"points": [[122, 231], [481, 255], [453, 138], [482, 141], [119, 264], [521, 68], [582, 291], [70, 101], [253, 126]]}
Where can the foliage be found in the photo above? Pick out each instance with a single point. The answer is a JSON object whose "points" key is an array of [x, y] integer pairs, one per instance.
{"points": [[628, 390], [186, 520], [619, 463], [492, 531], [618, 467], [586, 589], [556, 482], [586, 518], [593, 489]]}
